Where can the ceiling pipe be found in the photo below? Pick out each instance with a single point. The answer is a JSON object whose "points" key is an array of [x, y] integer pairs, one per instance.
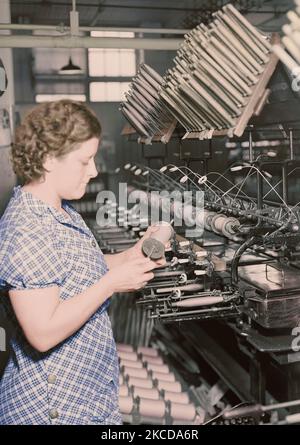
{"points": [[66, 29], [25, 41]]}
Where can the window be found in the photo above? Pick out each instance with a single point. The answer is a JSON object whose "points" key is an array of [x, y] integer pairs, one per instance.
{"points": [[49, 97], [107, 62], [51, 60], [108, 91]]}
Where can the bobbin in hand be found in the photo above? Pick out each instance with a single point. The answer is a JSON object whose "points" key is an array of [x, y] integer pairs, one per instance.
{"points": [[137, 252]]}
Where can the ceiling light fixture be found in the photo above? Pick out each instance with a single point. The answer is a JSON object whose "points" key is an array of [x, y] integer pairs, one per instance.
{"points": [[70, 69]]}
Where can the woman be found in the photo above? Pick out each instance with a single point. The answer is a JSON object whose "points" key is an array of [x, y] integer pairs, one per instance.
{"points": [[63, 368]]}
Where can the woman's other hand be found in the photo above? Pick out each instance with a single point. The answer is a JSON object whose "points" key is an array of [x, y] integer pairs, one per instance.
{"points": [[132, 275]]}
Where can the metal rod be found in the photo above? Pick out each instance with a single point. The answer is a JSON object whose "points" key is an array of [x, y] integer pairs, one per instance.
{"points": [[251, 155], [259, 190], [171, 273], [284, 182], [258, 409], [193, 312], [25, 41], [291, 143], [186, 288], [62, 29]]}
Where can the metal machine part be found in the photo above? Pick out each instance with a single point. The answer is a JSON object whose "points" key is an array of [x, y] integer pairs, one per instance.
{"points": [[219, 73], [234, 279]]}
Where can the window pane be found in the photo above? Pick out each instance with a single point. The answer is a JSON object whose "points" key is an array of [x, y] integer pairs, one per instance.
{"points": [[112, 34], [112, 62], [96, 62], [108, 91], [124, 88], [127, 62], [97, 92], [113, 93], [49, 97]]}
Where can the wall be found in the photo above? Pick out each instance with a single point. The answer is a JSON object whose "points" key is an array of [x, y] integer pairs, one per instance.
{"points": [[7, 178]]}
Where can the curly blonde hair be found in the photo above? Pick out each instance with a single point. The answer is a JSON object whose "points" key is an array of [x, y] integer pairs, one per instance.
{"points": [[51, 128]]}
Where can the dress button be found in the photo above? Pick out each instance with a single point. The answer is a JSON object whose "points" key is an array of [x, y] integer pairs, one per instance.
{"points": [[51, 378], [94, 243], [53, 413]]}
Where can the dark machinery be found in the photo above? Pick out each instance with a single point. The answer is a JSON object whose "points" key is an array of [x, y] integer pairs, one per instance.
{"points": [[227, 305]]}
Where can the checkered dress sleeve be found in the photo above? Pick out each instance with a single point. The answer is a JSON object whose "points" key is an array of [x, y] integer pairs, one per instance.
{"points": [[29, 261]]}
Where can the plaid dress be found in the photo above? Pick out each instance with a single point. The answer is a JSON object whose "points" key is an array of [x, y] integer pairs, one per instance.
{"points": [[75, 382]]}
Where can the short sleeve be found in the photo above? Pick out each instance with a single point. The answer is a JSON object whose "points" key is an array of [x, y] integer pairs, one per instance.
{"points": [[29, 261]]}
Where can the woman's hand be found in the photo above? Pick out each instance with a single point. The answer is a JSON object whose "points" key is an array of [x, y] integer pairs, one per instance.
{"points": [[131, 275], [136, 250]]}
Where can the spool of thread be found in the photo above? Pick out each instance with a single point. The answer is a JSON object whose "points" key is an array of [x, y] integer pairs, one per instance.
{"points": [[152, 408], [169, 386], [151, 352], [218, 222], [134, 372], [146, 393], [177, 397], [229, 227], [154, 246], [123, 391], [182, 411], [224, 225], [131, 356], [141, 383], [185, 288], [200, 217], [138, 364], [200, 301], [162, 369], [169, 377], [208, 216], [189, 215], [123, 347], [153, 360], [126, 404]]}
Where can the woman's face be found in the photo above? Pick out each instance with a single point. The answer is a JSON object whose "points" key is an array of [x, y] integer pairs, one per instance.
{"points": [[69, 174]]}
